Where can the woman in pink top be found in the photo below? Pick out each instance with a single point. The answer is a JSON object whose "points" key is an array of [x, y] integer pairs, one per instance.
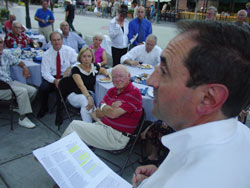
{"points": [[100, 54]]}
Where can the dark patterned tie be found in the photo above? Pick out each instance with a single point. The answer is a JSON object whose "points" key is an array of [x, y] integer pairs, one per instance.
{"points": [[140, 35]]}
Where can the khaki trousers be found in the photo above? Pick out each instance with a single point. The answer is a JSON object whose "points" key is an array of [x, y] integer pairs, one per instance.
{"points": [[24, 94], [98, 135], [46, 32]]}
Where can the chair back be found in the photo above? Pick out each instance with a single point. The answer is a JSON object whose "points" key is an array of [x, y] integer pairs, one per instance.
{"points": [[141, 122], [64, 86]]}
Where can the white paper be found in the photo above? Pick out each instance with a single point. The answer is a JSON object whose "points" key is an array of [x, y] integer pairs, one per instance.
{"points": [[133, 39], [72, 165]]}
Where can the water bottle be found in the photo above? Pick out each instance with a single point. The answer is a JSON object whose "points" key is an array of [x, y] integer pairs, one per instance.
{"points": [[14, 44], [47, 19]]}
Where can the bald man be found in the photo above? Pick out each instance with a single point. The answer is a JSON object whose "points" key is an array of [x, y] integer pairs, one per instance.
{"points": [[119, 113]]}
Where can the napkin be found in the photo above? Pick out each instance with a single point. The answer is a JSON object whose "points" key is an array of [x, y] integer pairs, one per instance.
{"points": [[144, 91]]}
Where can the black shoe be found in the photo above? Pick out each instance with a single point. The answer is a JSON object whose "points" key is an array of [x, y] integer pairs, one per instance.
{"points": [[59, 118], [42, 112]]}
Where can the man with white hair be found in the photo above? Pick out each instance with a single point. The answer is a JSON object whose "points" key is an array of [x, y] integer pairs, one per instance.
{"points": [[148, 53], [17, 37], [119, 114], [241, 17], [211, 13]]}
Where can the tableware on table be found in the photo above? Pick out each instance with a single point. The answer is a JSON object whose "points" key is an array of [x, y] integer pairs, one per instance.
{"points": [[140, 79], [105, 80], [145, 66]]}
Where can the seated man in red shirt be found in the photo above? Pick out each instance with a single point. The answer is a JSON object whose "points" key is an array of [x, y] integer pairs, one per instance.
{"points": [[119, 113], [16, 35]]}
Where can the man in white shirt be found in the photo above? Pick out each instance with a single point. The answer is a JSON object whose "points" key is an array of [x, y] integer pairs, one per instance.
{"points": [[201, 85], [56, 63], [148, 53]]}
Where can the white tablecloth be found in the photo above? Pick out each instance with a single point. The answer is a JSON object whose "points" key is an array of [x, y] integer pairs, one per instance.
{"points": [[147, 101], [35, 73]]}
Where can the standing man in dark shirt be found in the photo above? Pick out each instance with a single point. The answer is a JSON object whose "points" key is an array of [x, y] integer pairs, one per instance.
{"points": [[70, 14]]}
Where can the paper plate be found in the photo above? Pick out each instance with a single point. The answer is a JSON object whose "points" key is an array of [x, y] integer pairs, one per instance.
{"points": [[104, 80], [145, 66]]}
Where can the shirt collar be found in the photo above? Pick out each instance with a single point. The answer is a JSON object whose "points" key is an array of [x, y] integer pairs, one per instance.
{"points": [[209, 133], [129, 86]]}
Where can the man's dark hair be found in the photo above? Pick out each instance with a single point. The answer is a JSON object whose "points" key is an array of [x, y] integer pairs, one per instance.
{"points": [[221, 56]]}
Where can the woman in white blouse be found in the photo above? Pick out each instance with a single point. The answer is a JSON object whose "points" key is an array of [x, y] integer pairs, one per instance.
{"points": [[118, 31]]}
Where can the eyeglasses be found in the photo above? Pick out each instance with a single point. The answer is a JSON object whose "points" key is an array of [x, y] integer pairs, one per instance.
{"points": [[65, 25]]}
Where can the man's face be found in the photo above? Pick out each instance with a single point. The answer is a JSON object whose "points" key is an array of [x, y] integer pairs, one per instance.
{"points": [[210, 15], [120, 78], [241, 17], [174, 102], [1, 46], [150, 44], [45, 5], [17, 29], [12, 18], [56, 41], [65, 28], [140, 13]]}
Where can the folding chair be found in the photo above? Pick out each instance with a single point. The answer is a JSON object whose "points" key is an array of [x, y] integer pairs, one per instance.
{"points": [[11, 103], [129, 147], [64, 91]]}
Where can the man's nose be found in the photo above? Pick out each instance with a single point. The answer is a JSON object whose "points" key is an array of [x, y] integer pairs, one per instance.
{"points": [[153, 80]]}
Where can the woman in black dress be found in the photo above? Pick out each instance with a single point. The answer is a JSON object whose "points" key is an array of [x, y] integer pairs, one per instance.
{"points": [[84, 78]]}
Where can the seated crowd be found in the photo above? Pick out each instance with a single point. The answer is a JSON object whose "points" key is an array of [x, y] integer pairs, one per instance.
{"points": [[107, 125]]}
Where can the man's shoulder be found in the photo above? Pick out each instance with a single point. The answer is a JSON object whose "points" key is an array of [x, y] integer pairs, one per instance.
{"points": [[67, 48], [139, 48], [133, 22], [133, 90], [74, 35], [145, 21], [157, 48], [39, 10]]}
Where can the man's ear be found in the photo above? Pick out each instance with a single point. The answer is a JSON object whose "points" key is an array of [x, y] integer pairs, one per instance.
{"points": [[212, 98]]}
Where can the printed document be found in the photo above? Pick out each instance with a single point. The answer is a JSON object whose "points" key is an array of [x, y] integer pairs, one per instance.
{"points": [[72, 164]]}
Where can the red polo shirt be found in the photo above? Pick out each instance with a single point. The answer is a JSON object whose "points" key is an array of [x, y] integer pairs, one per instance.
{"points": [[131, 102]]}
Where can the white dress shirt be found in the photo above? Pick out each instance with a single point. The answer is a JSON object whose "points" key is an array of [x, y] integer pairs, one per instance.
{"points": [[212, 155], [119, 39], [68, 57], [140, 54]]}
